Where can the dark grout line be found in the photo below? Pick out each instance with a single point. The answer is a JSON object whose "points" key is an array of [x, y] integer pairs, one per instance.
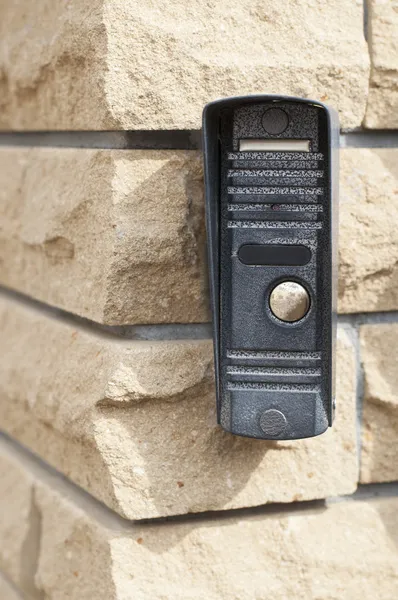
{"points": [[370, 318], [369, 491], [163, 139], [363, 492], [370, 139], [265, 510], [352, 322], [117, 140], [163, 331], [360, 394], [150, 332], [366, 20]]}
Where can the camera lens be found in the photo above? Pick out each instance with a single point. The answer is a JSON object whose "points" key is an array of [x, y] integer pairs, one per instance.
{"points": [[275, 121]]}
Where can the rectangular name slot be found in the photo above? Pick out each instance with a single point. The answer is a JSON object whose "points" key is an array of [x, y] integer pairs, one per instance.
{"points": [[274, 254], [278, 145]]}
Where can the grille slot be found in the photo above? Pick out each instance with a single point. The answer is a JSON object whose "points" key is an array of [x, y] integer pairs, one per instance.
{"points": [[278, 197], [290, 156], [246, 224]]}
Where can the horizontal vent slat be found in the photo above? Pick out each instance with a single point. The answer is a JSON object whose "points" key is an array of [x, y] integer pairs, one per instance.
{"points": [[246, 224], [264, 155], [273, 387], [273, 354], [280, 191], [256, 207], [275, 173], [275, 164], [274, 182], [280, 371], [275, 199]]}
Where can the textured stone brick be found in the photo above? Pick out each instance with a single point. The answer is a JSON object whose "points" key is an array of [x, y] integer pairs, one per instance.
{"points": [[368, 236], [15, 524], [114, 236], [134, 422], [113, 64], [83, 230], [7, 591], [379, 348], [382, 108], [343, 550]]}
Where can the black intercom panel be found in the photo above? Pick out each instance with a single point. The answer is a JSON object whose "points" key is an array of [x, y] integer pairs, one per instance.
{"points": [[271, 202]]}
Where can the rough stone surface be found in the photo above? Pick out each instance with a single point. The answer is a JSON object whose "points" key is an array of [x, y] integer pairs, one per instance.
{"points": [[134, 423], [345, 550], [382, 108], [84, 230], [15, 523], [379, 348], [110, 64], [291, 555], [368, 236], [114, 236], [7, 591]]}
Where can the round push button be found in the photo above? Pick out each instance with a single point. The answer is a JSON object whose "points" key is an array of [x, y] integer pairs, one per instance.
{"points": [[275, 121], [289, 301], [273, 422]]}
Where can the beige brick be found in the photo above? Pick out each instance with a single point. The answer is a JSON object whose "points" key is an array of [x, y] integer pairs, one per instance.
{"points": [[368, 236], [343, 550], [14, 525], [382, 108], [114, 236], [8, 591], [134, 422], [17, 527], [379, 348], [83, 230], [113, 64]]}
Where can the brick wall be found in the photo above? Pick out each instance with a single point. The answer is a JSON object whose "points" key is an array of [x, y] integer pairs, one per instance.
{"points": [[115, 481]]}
